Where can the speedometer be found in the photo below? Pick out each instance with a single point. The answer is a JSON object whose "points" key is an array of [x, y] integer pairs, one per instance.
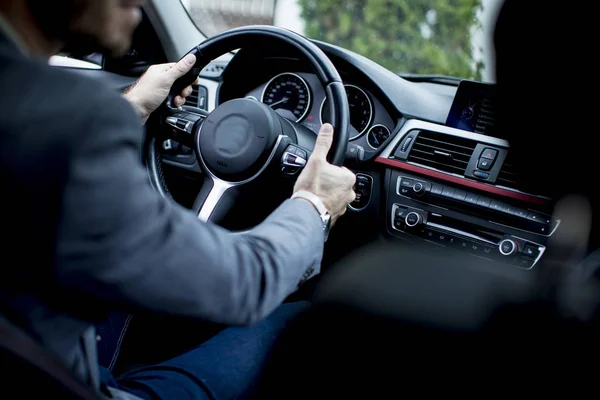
{"points": [[289, 95], [361, 110]]}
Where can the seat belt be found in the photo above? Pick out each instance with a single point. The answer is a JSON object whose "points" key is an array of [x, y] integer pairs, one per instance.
{"points": [[16, 341]]}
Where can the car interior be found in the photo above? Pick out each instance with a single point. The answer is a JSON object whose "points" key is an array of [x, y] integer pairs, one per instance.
{"points": [[434, 170]]}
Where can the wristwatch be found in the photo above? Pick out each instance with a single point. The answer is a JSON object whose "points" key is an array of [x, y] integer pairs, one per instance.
{"points": [[316, 201]]}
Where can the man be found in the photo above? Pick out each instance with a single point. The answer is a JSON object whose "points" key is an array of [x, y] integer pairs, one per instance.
{"points": [[93, 235]]}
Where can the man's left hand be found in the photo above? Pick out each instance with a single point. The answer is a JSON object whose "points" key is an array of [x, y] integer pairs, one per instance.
{"points": [[151, 90]]}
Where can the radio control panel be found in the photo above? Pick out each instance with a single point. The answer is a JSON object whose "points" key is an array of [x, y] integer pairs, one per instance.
{"points": [[499, 211], [496, 246]]}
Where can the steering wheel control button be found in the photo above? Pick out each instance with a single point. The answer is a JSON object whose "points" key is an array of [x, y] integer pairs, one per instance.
{"points": [[363, 189], [167, 145], [485, 164], [490, 154], [291, 162], [507, 247], [481, 175], [413, 219]]}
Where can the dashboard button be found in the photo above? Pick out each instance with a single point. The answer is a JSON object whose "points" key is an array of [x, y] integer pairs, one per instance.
{"points": [[531, 251], [408, 183], [519, 212], [463, 244], [399, 224], [485, 164], [437, 189], [459, 195], [400, 213], [539, 217], [487, 251], [419, 189], [413, 219], [489, 153], [405, 191], [507, 247], [524, 262], [508, 209], [481, 175], [496, 205], [539, 228], [483, 202], [448, 192], [471, 198]]}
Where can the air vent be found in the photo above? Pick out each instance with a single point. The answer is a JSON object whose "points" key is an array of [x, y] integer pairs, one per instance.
{"points": [[198, 98], [192, 99], [442, 152], [510, 178], [508, 175]]}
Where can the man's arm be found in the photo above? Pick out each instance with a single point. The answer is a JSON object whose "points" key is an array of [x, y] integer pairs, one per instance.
{"points": [[120, 240]]}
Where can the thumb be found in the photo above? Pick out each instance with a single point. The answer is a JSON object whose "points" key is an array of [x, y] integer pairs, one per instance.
{"points": [[323, 143], [182, 67]]}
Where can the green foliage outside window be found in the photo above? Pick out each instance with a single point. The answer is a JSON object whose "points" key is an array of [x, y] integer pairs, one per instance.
{"points": [[416, 36]]}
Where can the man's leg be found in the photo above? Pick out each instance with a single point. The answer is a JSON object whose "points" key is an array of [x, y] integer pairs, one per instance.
{"points": [[225, 367]]}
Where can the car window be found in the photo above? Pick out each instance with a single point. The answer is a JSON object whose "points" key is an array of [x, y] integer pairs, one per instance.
{"points": [[437, 37], [92, 61]]}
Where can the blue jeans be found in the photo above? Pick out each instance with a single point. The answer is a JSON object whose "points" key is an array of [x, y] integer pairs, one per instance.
{"points": [[228, 366]]}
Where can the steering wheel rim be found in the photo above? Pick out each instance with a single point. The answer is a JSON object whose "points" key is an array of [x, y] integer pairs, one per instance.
{"points": [[246, 37]]}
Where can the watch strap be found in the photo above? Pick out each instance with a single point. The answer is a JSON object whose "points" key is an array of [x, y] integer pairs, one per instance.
{"points": [[312, 198]]}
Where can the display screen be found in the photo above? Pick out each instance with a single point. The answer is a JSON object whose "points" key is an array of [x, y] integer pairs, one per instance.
{"points": [[473, 108]]}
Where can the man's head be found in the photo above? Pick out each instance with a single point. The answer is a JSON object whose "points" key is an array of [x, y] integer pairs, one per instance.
{"points": [[85, 25]]}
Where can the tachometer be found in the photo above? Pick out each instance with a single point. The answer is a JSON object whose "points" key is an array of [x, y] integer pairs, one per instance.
{"points": [[289, 95], [361, 110]]}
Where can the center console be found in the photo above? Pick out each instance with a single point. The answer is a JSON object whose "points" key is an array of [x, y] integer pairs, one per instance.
{"points": [[456, 186]]}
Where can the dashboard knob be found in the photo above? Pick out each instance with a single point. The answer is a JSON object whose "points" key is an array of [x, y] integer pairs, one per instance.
{"points": [[507, 247], [418, 188], [413, 219]]}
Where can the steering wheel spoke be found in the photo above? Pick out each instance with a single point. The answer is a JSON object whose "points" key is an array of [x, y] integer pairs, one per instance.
{"points": [[215, 199]]}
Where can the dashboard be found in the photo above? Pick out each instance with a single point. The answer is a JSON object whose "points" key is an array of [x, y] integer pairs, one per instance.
{"points": [[434, 169], [300, 97]]}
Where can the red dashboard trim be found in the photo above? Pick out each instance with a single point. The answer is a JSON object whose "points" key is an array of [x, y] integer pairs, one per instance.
{"points": [[461, 181]]}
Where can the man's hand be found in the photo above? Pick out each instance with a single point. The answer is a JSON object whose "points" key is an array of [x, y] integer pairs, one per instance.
{"points": [[154, 86], [333, 185]]}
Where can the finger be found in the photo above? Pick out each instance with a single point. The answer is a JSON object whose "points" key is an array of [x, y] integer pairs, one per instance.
{"points": [[168, 66], [351, 175], [197, 81], [351, 197], [179, 101], [186, 92], [323, 143], [182, 67]]}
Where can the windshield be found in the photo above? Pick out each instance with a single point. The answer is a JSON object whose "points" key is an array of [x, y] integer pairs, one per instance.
{"points": [[425, 37]]}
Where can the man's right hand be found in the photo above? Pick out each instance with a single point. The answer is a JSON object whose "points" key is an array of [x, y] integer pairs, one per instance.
{"points": [[333, 185]]}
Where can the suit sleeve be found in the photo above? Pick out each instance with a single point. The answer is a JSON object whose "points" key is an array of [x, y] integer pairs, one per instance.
{"points": [[120, 240]]}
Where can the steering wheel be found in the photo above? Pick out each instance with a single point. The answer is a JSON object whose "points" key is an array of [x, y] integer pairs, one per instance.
{"points": [[244, 139]]}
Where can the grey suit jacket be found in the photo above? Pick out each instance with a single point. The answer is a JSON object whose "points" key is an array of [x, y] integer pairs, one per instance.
{"points": [[87, 233]]}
